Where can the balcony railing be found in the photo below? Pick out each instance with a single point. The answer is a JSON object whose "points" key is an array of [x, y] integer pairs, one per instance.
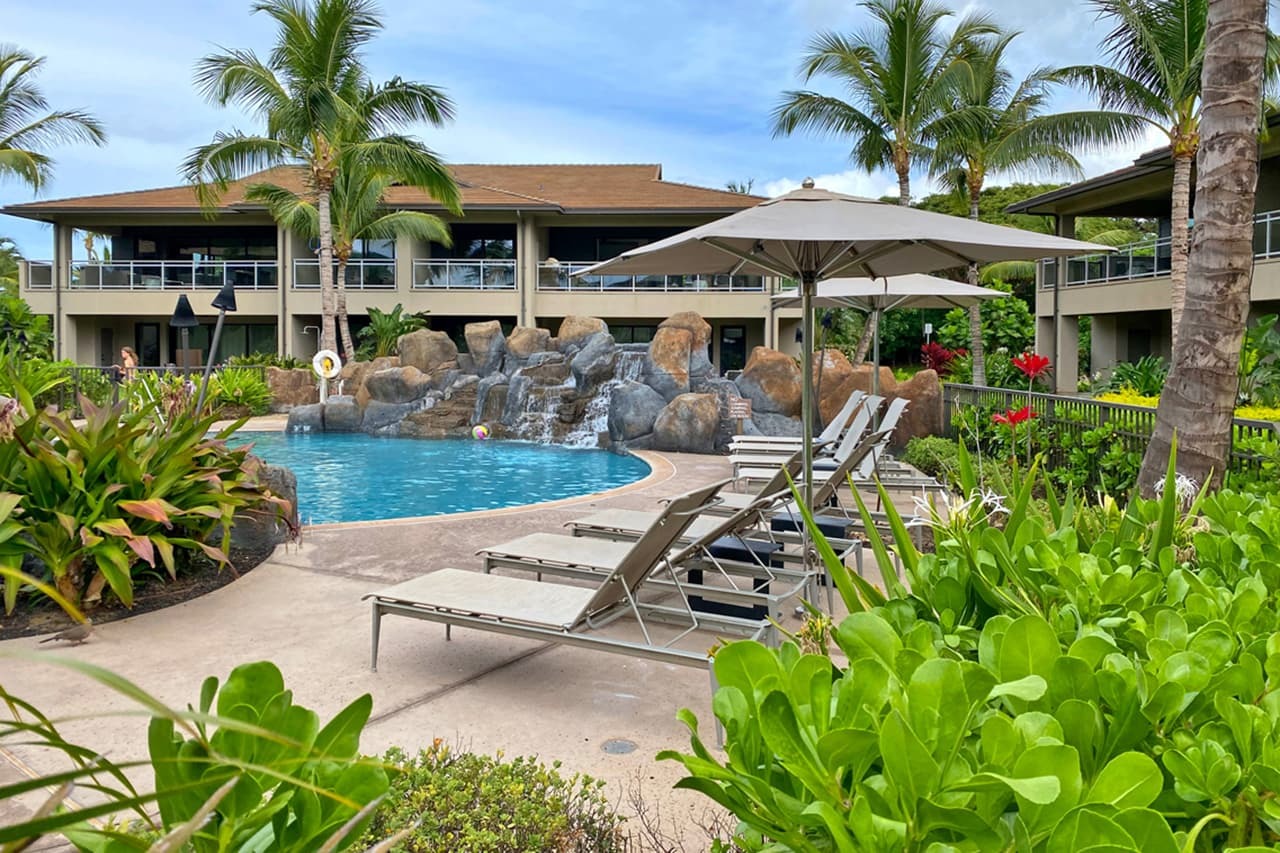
{"points": [[450, 274], [559, 277], [1149, 258], [159, 275], [361, 274], [39, 275]]}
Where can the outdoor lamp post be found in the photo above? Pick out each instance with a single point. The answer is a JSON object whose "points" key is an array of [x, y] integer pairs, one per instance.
{"points": [[225, 301], [185, 320]]}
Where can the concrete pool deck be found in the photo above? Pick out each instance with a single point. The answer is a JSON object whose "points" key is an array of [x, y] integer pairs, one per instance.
{"points": [[488, 692]]}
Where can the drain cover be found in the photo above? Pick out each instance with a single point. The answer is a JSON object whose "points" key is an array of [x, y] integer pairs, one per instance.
{"points": [[618, 746]]}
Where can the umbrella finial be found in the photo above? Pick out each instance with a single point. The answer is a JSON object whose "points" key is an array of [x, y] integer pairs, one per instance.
{"points": [[807, 183]]}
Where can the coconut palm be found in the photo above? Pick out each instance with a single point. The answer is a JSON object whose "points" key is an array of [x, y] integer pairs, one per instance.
{"points": [[10, 258], [899, 75], [319, 109], [26, 129], [1199, 397], [358, 214], [1156, 48], [1013, 134]]}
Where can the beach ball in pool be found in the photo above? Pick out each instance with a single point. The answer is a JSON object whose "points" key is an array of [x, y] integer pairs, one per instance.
{"points": [[480, 432]]}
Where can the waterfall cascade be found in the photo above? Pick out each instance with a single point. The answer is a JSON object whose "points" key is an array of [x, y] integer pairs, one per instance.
{"points": [[595, 418]]}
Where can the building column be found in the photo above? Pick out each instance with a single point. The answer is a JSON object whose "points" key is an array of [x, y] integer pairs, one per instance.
{"points": [[1104, 351], [528, 254], [63, 329], [283, 254], [1066, 358], [1045, 342], [406, 250]]}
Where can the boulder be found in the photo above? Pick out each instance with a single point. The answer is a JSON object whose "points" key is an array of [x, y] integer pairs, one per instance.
{"points": [[771, 381], [546, 372], [382, 418], [491, 398], [398, 385], [596, 361], [289, 388], [487, 346], [768, 423], [688, 424], [428, 350], [633, 408], [308, 418], [924, 412], [466, 363], [574, 330], [544, 357], [723, 389], [448, 416], [524, 341], [341, 414], [257, 531], [666, 365], [831, 370], [700, 367]]}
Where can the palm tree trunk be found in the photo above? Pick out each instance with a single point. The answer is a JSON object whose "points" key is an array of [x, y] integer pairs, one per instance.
{"points": [[344, 328], [328, 335], [903, 168], [976, 352], [1180, 233], [1199, 397]]}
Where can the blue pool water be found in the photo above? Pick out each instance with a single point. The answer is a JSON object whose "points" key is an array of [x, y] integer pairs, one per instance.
{"points": [[354, 477]]}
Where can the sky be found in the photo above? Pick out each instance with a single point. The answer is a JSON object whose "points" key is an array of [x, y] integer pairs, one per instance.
{"points": [[689, 84]]}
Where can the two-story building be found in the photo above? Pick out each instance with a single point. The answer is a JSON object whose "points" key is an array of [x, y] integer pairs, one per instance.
{"points": [[524, 229], [1126, 293]]}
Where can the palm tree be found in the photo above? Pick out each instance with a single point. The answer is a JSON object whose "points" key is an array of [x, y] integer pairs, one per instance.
{"points": [[357, 214], [900, 75], [1013, 134], [10, 258], [1199, 396], [319, 110], [26, 129], [1157, 54]]}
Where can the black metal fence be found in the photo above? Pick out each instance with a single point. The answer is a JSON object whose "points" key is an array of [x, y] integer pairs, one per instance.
{"points": [[107, 385], [1070, 417]]}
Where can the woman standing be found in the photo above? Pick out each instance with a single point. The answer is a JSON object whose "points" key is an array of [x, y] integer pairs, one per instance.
{"points": [[128, 364]]}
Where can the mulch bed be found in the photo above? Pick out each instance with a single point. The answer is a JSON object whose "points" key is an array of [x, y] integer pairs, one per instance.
{"points": [[31, 618]]}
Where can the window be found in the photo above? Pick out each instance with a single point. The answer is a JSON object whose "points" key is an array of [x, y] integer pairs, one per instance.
{"points": [[487, 249], [632, 334], [378, 250]]}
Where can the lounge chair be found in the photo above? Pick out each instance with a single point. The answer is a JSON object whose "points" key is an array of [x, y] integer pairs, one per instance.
{"points": [[562, 613], [758, 465], [786, 443], [703, 543]]}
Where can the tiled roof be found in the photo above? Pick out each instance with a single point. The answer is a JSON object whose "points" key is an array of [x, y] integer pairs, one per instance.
{"points": [[564, 187]]}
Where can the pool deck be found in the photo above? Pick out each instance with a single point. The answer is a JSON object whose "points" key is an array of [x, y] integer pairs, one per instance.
{"points": [[487, 692]]}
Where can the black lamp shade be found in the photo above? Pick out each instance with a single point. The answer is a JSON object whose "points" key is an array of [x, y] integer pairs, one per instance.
{"points": [[799, 334], [226, 298], [183, 317]]}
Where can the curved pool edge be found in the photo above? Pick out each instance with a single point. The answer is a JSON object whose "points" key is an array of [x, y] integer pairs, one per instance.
{"points": [[660, 470]]}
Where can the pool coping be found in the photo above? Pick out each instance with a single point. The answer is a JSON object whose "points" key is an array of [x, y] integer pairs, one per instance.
{"points": [[660, 471]]}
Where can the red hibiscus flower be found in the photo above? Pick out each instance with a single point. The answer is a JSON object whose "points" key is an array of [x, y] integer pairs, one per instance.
{"points": [[1032, 365], [1013, 417]]}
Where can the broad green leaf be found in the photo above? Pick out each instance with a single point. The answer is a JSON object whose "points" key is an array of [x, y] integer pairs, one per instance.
{"points": [[1030, 688], [1040, 790], [1130, 780], [1029, 647]]}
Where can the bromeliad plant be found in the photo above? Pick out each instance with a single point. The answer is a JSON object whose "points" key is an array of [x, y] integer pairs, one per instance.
{"points": [[1056, 676], [94, 502]]}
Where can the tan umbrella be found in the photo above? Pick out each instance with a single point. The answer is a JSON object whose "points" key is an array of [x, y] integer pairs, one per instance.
{"points": [[877, 295], [812, 234]]}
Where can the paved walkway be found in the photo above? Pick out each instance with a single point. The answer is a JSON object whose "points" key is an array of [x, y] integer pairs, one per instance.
{"points": [[302, 610]]}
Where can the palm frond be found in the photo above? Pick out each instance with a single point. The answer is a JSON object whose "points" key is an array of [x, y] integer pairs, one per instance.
{"points": [[286, 207], [231, 156], [407, 223]]}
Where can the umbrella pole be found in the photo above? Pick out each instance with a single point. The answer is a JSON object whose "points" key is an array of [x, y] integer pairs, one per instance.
{"points": [[808, 284], [875, 356]]}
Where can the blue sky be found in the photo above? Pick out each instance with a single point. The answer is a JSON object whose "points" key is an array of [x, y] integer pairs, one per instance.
{"points": [[686, 83]]}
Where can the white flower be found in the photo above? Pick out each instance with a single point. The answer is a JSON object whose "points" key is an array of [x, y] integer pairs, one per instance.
{"points": [[992, 501]]}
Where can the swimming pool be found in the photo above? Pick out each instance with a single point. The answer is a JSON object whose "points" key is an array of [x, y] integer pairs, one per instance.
{"points": [[356, 477]]}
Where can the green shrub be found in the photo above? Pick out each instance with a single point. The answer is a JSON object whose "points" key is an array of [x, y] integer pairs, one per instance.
{"points": [[240, 388], [933, 455], [382, 336], [468, 803], [1006, 324], [1146, 376], [267, 359]]}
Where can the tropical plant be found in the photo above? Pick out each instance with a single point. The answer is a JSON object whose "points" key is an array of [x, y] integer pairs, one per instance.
{"points": [[934, 456], [10, 257], [267, 359], [934, 356], [1145, 377], [1200, 394], [447, 799], [902, 74], [1006, 324], [240, 389], [1259, 369], [1012, 134], [38, 377], [245, 770], [1157, 53], [26, 129], [359, 190], [382, 336], [30, 332], [320, 110], [98, 500]]}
